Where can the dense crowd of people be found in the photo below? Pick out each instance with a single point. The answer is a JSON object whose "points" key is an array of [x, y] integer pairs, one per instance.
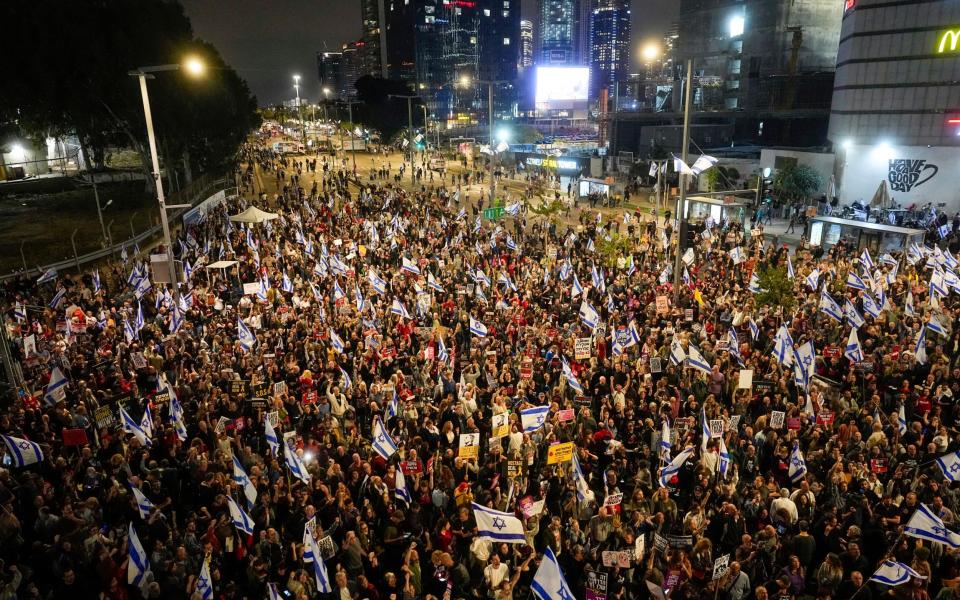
{"points": [[363, 376]]}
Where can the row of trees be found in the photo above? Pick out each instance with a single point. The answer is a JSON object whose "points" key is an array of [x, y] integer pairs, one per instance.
{"points": [[71, 77]]}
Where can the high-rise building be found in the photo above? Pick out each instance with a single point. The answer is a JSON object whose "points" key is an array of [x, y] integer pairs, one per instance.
{"points": [[351, 69], [557, 41], [584, 32], [895, 117], [526, 44], [401, 39], [329, 71], [610, 48], [373, 59]]}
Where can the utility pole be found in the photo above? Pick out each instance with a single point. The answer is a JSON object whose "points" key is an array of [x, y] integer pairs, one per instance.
{"points": [[353, 146], [493, 180], [409, 98], [303, 130], [682, 198]]}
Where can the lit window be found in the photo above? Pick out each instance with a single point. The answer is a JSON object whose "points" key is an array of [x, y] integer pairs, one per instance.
{"points": [[506, 14], [486, 12], [736, 26], [506, 41], [473, 39]]}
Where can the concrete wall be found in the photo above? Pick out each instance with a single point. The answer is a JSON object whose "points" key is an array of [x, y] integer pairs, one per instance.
{"points": [[914, 174], [821, 162]]}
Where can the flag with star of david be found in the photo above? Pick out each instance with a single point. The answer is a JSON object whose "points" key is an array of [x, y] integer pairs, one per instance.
{"points": [[950, 465], [498, 526], [925, 525], [549, 583]]}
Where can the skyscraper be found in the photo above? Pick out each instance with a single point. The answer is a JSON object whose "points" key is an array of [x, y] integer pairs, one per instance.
{"points": [[526, 44], [373, 58], [401, 39], [557, 40], [584, 34], [328, 72], [351, 69], [610, 45]]}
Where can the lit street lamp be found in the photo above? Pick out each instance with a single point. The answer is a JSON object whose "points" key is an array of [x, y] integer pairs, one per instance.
{"points": [[465, 81], [303, 131], [194, 67]]}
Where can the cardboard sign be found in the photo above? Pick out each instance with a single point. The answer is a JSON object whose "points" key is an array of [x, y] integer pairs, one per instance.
{"points": [[161, 397], [261, 390], [613, 500], [745, 382], [514, 467], [411, 467], [501, 425], [659, 542], [75, 437], [469, 445], [221, 425], [776, 419], [558, 453], [596, 585], [825, 418], [663, 305], [581, 349], [238, 387], [762, 386], [616, 558], [656, 365], [716, 428], [565, 415], [251, 289], [274, 417], [103, 416], [720, 566], [279, 387], [733, 423], [328, 549]]}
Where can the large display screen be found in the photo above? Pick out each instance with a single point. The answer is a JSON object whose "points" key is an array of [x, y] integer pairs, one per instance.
{"points": [[560, 87]]}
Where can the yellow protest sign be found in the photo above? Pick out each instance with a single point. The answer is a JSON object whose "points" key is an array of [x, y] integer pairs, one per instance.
{"points": [[559, 453]]}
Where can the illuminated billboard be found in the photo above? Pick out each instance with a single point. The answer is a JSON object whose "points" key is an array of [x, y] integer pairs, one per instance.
{"points": [[562, 88]]}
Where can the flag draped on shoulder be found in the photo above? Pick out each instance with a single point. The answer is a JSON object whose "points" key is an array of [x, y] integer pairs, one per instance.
{"points": [[23, 452], [498, 526]]}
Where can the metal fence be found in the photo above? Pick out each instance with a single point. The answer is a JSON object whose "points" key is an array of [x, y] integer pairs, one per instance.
{"points": [[144, 238]]}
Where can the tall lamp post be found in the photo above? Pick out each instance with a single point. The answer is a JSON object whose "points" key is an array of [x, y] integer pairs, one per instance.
{"points": [[490, 83], [682, 199], [194, 67], [303, 130], [353, 148], [409, 98]]}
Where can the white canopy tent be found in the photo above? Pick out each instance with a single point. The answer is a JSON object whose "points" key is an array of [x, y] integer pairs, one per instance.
{"points": [[253, 215]]}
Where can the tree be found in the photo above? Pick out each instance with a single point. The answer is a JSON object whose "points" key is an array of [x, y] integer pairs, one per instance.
{"points": [[796, 182], [615, 247], [777, 288], [526, 134]]}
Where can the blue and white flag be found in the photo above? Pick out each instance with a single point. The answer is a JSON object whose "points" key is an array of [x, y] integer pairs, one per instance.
{"points": [[296, 465], [131, 426], [798, 466], [382, 443], [335, 342], [319, 568], [58, 297], [19, 312], [829, 307], [854, 281], [176, 416], [705, 433], [347, 382], [548, 583], [399, 309], [696, 361], [754, 329], [146, 422], [804, 365], [432, 283], [589, 315], [667, 472], [534, 418], [754, 285], [245, 336], [902, 420], [894, 573], [442, 353], [950, 465], [48, 275], [337, 291], [379, 285], [273, 593], [934, 325], [565, 270], [56, 390], [925, 525], [666, 447], [477, 328], [410, 267], [783, 346], [580, 482], [272, 440], [23, 452], [241, 478], [577, 288], [393, 407], [241, 520], [205, 582], [870, 306], [852, 315], [790, 273], [813, 279], [853, 351], [571, 378], [677, 354], [866, 261], [498, 526], [286, 285], [144, 506], [400, 491], [139, 565], [723, 465], [920, 347], [480, 277]]}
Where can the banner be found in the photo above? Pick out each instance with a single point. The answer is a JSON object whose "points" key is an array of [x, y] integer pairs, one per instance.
{"points": [[581, 349]]}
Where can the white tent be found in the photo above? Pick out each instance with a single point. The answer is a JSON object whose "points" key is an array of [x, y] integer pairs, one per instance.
{"points": [[253, 215]]}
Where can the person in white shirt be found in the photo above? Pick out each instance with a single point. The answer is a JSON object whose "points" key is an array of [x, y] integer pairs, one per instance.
{"points": [[495, 573], [785, 503]]}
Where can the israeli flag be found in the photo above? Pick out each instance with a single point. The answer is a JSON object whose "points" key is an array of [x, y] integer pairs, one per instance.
{"points": [[937, 283], [866, 261], [934, 325], [854, 281], [696, 361], [798, 466], [319, 568], [498, 526], [272, 440], [927, 526], [829, 307], [432, 283], [667, 472], [853, 351], [48, 275], [894, 573], [142, 286], [666, 447], [131, 426], [335, 342], [853, 316], [783, 346], [139, 322], [393, 406], [754, 285], [577, 288], [480, 277], [534, 418], [589, 315], [790, 273], [590, 245], [477, 328], [338, 266], [565, 270], [595, 277], [398, 308], [477, 225], [400, 490], [19, 312], [23, 452], [56, 390], [204, 582], [512, 209], [950, 465], [296, 465], [583, 489], [737, 255], [144, 506], [241, 520], [58, 297], [337, 291], [548, 583], [128, 333], [813, 279], [805, 363], [176, 319], [754, 329], [382, 443], [379, 285], [273, 592], [677, 354], [146, 422], [723, 465], [705, 433], [176, 417], [410, 267], [920, 348], [870, 306], [347, 382], [442, 353], [511, 244], [139, 565], [241, 478], [245, 336], [902, 420], [287, 285], [571, 378]]}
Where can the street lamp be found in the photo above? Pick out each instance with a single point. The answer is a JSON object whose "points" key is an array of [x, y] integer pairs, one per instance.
{"points": [[650, 52], [409, 98], [490, 84], [194, 67], [303, 131]]}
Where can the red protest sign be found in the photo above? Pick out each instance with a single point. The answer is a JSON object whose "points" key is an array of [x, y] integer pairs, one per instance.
{"points": [[75, 437]]}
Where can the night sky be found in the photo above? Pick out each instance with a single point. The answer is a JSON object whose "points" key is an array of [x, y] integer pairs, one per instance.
{"points": [[268, 41]]}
